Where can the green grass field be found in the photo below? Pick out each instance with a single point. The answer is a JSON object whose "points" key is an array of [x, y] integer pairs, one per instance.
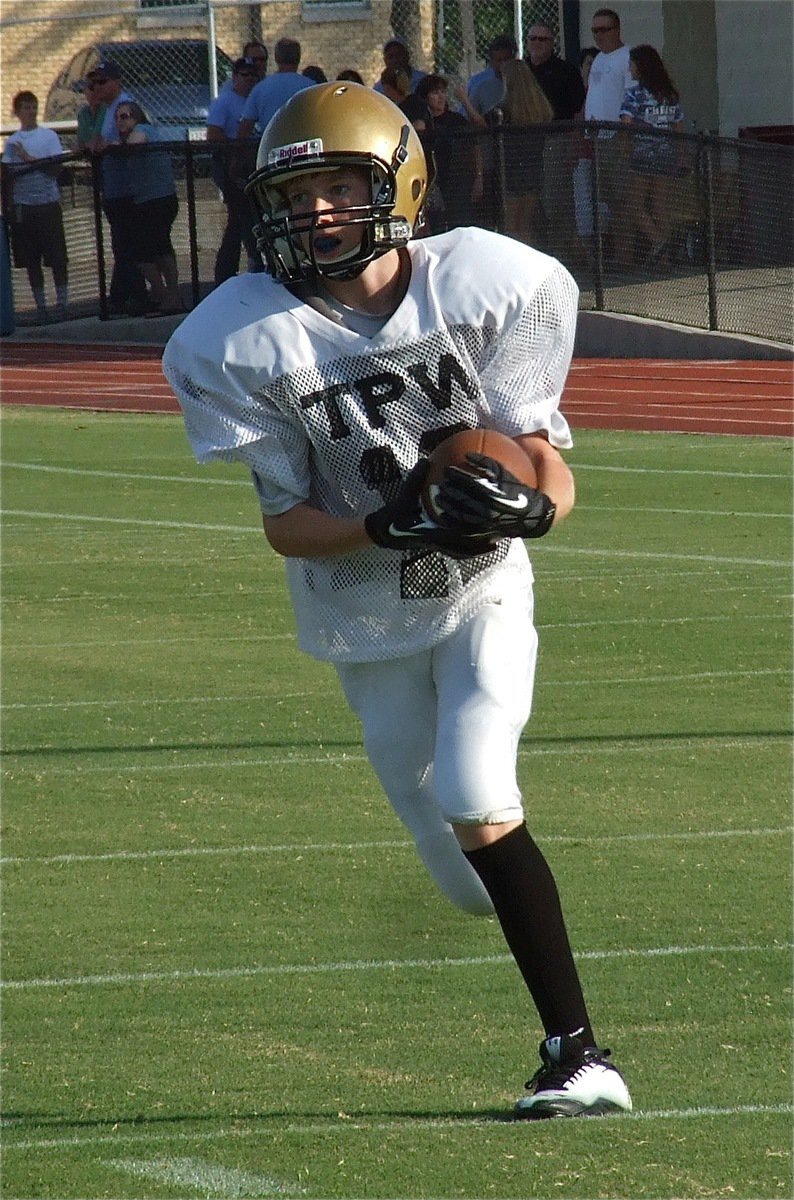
{"points": [[226, 973]]}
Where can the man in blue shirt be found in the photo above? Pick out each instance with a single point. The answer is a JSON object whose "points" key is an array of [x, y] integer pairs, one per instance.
{"points": [[274, 90], [229, 170]]}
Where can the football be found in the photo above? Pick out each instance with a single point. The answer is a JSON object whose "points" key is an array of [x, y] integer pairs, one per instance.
{"points": [[452, 453]]}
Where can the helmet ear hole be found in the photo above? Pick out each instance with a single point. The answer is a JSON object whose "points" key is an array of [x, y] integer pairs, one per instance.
{"points": [[416, 188]]}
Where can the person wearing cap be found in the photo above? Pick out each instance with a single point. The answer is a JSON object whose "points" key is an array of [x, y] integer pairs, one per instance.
{"points": [[229, 169], [127, 292], [274, 90], [397, 57]]}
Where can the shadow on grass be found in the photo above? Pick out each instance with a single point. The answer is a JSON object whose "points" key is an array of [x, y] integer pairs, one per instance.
{"points": [[27, 1123], [149, 748]]}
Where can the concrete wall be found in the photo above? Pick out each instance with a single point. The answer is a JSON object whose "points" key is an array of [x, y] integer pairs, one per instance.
{"points": [[754, 63]]}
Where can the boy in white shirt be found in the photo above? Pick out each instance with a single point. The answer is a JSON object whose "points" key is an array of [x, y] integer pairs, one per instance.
{"points": [[37, 233]]}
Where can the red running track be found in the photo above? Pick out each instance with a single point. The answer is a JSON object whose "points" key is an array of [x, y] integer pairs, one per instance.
{"points": [[683, 396]]}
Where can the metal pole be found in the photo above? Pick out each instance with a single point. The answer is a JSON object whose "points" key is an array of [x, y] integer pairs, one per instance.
{"points": [[96, 188], [598, 232], [518, 25], [190, 190], [711, 249], [212, 48]]}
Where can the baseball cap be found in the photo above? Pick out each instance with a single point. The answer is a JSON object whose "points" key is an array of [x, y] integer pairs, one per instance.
{"points": [[395, 41], [243, 64], [107, 68]]}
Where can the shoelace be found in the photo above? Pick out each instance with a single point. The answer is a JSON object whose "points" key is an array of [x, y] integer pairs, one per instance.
{"points": [[557, 1075]]}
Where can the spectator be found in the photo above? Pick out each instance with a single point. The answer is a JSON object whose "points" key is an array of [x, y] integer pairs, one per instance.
{"points": [[127, 285], [654, 161], [458, 159], [562, 84], [485, 93], [609, 74], [154, 209], [257, 52], [396, 85], [560, 80], [230, 170], [583, 174], [524, 105], [36, 223], [397, 57], [315, 73], [486, 89], [350, 76], [90, 118], [271, 92], [607, 83]]}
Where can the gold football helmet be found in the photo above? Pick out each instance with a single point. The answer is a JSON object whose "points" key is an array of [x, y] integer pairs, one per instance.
{"points": [[329, 126]]}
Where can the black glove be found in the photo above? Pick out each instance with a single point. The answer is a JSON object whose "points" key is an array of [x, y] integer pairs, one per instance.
{"points": [[493, 501], [402, 524]]}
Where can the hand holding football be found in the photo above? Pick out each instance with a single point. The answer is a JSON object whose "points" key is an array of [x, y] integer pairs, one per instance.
{"points": [[453, 452]]}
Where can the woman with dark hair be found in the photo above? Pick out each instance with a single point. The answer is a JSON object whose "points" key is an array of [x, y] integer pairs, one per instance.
{"points": [[457, 158], [654, 103]]}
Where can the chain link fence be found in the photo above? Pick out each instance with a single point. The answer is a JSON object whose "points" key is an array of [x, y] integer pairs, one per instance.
{"points": [[707, 242], [175, 55]]}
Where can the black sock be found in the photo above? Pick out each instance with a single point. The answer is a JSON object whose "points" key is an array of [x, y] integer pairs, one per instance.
{"points": [[521, 886]]}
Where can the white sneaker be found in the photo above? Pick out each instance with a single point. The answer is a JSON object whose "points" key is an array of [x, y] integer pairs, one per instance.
{"points": [[574, 1081]]}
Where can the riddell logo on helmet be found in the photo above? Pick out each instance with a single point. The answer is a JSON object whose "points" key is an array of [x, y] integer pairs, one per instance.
{"points": [[311, 148]]}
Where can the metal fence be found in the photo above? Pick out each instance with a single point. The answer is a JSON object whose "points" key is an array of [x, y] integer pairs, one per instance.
{"points": [[706, 244]]}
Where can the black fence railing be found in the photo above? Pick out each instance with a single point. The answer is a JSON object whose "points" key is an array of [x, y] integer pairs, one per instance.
{"points": [[691, 229]]}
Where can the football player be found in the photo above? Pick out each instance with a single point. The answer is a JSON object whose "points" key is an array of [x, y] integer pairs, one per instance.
{"points": [[333, 377]]}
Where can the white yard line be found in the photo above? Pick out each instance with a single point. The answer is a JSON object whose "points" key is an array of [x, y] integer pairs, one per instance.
{"points": [[205, 1178], [672, 743], [269, 1128], [266, 697], [688, 835], [211, 480], [193, 974]]}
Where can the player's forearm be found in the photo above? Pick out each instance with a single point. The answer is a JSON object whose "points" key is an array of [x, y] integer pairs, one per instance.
{"points": [[306, 532], [554, 474]]}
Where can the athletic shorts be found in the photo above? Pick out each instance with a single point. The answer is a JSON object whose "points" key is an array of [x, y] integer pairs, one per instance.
{"points": [[36, 234]]}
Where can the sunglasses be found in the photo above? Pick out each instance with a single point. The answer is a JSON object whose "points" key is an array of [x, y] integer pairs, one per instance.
{"points": [[124, 117], [97, 82], [536, 38], [245, 74], [603, 28]]}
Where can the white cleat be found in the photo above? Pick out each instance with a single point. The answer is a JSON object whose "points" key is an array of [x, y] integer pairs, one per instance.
{"points": [[574, 1081]]}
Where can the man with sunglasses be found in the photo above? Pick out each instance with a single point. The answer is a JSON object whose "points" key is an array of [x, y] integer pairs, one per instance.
{"points": [[127, 291], [609, 78], [562, 84], [609, 74]]}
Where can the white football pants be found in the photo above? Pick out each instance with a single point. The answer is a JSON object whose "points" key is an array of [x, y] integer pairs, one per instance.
{"points": [[441, 730]]}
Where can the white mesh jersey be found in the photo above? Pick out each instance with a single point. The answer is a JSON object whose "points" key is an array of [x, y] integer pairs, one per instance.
{"points": [[325, 416]]}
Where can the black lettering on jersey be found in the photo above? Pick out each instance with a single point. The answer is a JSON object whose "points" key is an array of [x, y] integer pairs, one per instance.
{"points": [[449, 369], [377, 390], [329, 399]]}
